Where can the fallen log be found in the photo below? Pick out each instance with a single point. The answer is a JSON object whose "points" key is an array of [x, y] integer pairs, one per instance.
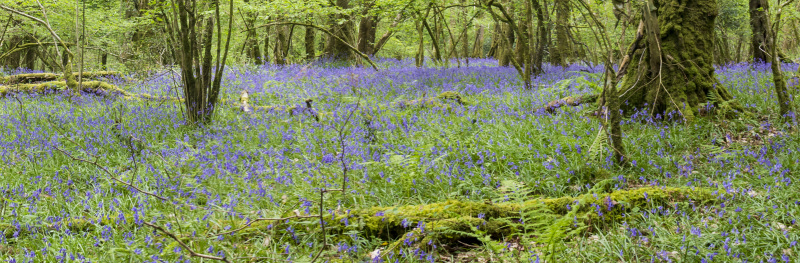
{"points": [[570, 101], [97, 87], [43, 77], [452, 221]]}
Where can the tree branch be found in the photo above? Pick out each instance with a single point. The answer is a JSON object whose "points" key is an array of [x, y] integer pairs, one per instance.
{"points": [[375, 67]]}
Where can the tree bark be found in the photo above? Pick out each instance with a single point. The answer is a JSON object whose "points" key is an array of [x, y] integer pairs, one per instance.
{"points": [[761, 42], [678, 76]]}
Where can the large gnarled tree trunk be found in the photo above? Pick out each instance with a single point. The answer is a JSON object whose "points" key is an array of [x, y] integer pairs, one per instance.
{"points": [[676, 73]]}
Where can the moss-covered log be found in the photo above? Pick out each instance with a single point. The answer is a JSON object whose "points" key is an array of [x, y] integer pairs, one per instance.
{"points": [[676, 72], [42, 77], [451, 221], [570, 101], [98, 87]]}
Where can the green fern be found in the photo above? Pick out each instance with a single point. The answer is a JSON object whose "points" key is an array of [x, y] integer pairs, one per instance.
{"points": [[600, 142]]}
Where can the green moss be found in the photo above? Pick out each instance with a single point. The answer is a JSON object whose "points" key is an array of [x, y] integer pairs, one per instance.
{"points": [[452, 220], [89, 86]]}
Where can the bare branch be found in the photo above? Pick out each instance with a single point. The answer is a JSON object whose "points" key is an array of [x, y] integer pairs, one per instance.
{"points": [[191, 252]]}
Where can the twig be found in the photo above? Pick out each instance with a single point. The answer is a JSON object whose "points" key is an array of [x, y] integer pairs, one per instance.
{"points": [[191, 252], [322, 224]]}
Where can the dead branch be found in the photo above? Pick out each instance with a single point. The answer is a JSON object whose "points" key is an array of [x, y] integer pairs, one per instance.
{"points": [[191, 252]]}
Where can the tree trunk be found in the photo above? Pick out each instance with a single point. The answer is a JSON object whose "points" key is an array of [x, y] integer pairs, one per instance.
{"points": [[547, 28], [280, 43], [677, 73], [437, 54], [477, 48], [13, 60], [310, 39], [496, 47], [522, 45], [739, 44], [266, 45], [287, 47], [104, 61], [335, 48], [366, 35], [465, 39], [29, 61], [419, 59], [538, 58], [562, 38], [784, 100], [507, 43], [251, 48], [761, 43]]}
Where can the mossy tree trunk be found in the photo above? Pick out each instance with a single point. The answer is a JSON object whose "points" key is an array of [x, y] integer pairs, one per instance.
{"points": [[784, 102], [563, 11], [367, 29], [495, 48], [505, 48], [676, 72], [280, 45], [310, 39], [334, 47], [477, 48], [419, 59], [543, 32], [251, 48], [761, 42], [266, 44]]}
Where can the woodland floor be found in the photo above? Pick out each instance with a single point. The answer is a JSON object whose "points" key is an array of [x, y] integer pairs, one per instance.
{"points": [[442, 165]]}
